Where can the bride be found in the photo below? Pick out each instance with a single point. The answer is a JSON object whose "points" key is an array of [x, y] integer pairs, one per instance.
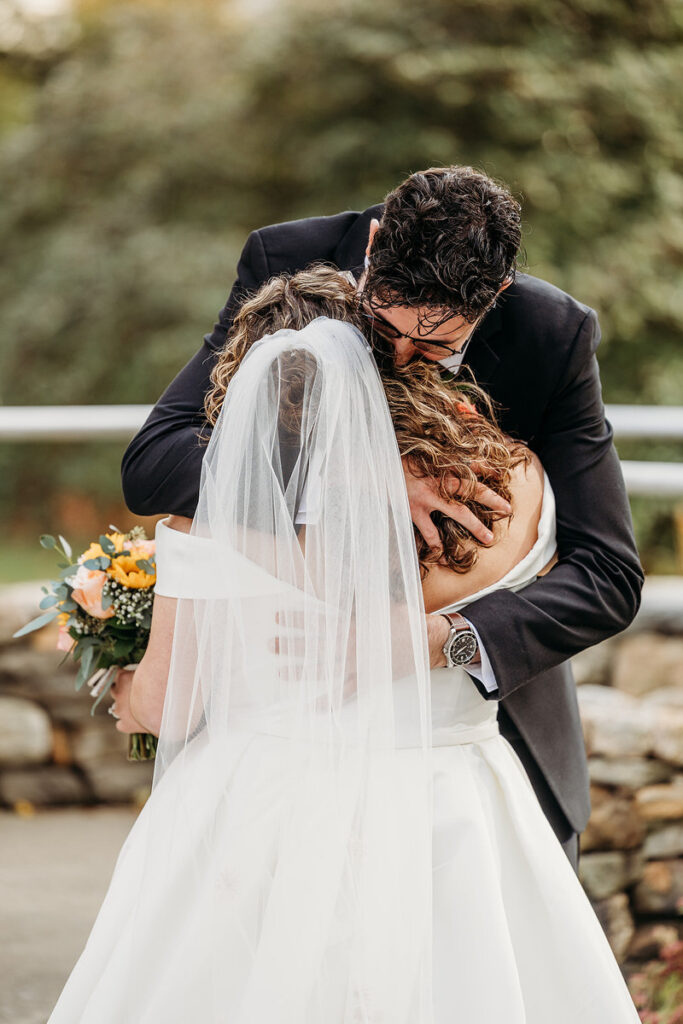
{"points": [[335, 834]]}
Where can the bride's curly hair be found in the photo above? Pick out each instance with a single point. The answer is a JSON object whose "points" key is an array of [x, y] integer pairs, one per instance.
{"points": [[445, 432]]}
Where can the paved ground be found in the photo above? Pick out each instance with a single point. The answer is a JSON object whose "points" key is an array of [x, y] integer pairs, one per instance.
{"points": [[54, 871]]}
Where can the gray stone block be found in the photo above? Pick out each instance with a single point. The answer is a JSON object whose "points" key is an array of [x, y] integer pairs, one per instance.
{"points": [[660, 890], [117, 780], [25, 732], [628, 772], [664, 842], [49, 784], [607, 872]]}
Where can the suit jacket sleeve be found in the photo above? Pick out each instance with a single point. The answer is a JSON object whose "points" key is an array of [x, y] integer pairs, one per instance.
{"points": [[161, 467], [594, 590]]}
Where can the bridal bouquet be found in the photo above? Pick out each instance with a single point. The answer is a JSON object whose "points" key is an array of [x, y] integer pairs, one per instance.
{"points": [[103, 602]]}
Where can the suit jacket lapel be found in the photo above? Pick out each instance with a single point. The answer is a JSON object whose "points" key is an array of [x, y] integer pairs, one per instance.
{"points": [[350, 253]]}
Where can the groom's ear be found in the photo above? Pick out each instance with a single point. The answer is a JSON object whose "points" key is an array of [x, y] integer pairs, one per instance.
{"points": [[374, 224], [506, 284]]}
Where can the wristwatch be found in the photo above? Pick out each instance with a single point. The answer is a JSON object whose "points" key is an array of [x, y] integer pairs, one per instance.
{"points": [[461, 644]]}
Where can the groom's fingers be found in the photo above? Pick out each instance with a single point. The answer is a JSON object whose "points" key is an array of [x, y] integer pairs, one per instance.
{"points": [[454, 510], [463, 515], [424, 523], [483, 495]]}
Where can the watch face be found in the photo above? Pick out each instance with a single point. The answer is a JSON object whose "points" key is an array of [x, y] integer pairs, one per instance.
{"points": [[463, 648]]}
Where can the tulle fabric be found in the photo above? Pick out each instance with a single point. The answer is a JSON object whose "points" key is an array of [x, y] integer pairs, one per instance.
{"points": [[316, 641], [334, 836]]}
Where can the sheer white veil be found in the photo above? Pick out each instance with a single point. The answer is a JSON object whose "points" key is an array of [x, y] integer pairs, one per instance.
{"points": [[292, 791]]}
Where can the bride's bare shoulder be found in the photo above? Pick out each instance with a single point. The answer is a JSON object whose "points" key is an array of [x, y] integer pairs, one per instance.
{"points": [[180, 523], [514, 538]]}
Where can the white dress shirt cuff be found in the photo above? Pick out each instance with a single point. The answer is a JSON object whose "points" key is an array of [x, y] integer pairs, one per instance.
{"points": [[484, 671]]}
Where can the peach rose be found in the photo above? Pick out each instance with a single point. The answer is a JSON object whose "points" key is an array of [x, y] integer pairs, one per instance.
{"points": [[64, 641], [88, 584]]}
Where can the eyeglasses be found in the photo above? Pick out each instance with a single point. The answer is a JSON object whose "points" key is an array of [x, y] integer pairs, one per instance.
{"points": [[391, 333]]}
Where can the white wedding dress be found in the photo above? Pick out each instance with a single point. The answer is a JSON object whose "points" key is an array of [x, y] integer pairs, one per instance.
{"points": [[515, 937], [229, 903]]}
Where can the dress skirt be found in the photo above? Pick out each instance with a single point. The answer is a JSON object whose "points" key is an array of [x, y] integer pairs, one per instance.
{"points": [[515, 939]]}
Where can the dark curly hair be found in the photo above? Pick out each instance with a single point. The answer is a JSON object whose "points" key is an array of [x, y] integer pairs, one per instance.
{"points": [[441, 431], [448, 239]]}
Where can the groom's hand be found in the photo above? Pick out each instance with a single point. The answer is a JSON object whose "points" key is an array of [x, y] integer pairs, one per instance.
{"points": [[424, 499]]}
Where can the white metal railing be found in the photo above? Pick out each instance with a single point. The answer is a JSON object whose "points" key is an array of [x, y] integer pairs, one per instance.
{"points": [[121, 422], [71, 422], [646, 422]]}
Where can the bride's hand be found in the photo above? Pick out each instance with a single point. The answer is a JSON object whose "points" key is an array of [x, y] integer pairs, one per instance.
{"points": [[425, 499], [120, 691]]}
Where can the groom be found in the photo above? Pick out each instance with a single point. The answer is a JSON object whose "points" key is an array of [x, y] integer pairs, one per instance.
{"points": [[436, 268]]}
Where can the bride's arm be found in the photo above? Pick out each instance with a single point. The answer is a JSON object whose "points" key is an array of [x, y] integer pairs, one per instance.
{"points": [[148, 685]]}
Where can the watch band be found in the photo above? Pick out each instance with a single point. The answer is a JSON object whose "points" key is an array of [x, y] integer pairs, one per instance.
{"points": [[455, 621]]}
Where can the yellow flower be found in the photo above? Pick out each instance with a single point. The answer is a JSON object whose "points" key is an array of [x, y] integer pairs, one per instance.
{"points": [[95, 549], [63, 618], [124, 570]]}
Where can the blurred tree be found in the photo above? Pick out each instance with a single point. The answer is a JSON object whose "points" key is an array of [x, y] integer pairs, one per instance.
{"points": [[166, 133], [574, 103]]}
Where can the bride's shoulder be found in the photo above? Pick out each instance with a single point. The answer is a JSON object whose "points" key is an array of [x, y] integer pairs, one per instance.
{"points": [[515, 536], [514, 539], [527, 484], [180, 523]]}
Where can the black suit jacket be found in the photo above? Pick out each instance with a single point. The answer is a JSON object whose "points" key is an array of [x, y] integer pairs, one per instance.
{"points": [[535, 354]]}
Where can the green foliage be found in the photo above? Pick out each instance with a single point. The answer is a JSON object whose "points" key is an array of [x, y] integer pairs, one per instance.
{"points": [[167, 133]]}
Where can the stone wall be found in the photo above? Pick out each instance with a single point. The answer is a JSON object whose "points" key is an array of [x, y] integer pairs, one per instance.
{"points": [[631, 698], [52, 751], [631, 702]]}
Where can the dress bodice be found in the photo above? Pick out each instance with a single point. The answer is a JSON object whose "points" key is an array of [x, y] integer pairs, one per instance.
{"points": [[454, 696]]}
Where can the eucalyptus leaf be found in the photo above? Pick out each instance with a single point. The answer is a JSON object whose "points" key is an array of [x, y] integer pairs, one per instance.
{"points": [[48, 541], [101, 562], [86, 667], [66, 546], [49, 602], [34, 624], [87, 641]]}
